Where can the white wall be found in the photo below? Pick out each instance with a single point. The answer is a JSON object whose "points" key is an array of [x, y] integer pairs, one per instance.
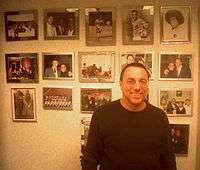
{"points": [[53, 142]]}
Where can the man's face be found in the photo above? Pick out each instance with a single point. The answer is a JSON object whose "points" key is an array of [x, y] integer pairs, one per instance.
{"points": [[174, 22], [63, 68], [171, 66], [134, 15], [134, 86], [178, 62], [55, 63], [50, 20]]}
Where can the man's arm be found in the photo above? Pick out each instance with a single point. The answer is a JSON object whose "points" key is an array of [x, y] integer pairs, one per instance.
{"points": [[93, 152]]}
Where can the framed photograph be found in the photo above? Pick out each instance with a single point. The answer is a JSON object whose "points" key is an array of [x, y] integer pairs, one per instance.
{"points": [[175, 24], [138, 25], [57, 98], [23, 104], [22, 68], [180, 138], [92, 98], [61, 24], [85, 125], [144, 58], [176, 102], [96, 67], [21, 25], [59, 66], [175, 66], [100, 26]]}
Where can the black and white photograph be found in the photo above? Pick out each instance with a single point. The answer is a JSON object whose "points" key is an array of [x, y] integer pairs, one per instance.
{"points": [[144, 58], [22, 68], [100, 26], [61, 24], [58, 66], [23, 104], [55, 98], [180, 138], [138, 24], [175, 66], [176, 102], [175, 24], [96, 67], [21, 25], [92, 98]]}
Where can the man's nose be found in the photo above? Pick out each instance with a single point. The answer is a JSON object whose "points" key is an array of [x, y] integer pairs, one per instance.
{"points": [[137, 85]]}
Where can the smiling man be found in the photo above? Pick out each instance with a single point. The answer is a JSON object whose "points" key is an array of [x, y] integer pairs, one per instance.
{"points": [[130, 133]]}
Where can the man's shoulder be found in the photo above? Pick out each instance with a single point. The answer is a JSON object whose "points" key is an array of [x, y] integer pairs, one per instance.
{"points": [[110, 105], [156, 110]]}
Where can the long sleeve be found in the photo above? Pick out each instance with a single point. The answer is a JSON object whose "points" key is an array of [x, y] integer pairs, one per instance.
{"points": [[94, 149]]}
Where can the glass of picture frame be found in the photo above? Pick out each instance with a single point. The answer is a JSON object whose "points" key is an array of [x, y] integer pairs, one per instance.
{"points": [[21, 25], [58, 66], [175, 66], [100, 26], [138, 24], [96, 67], [61, 24], [23, 104], [175, 24], [22, 68], [57, 98], [180, 138], [176, 102]]}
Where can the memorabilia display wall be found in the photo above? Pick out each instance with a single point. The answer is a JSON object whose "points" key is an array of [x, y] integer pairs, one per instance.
{"points": [[60, 61]]}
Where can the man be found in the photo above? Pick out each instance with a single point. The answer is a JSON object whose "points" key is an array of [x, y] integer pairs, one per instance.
{"points": [[51, 29], [130, 133], [53, 71], [182, 71]]}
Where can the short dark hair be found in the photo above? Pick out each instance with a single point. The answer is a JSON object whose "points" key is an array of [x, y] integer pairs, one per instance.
{"points": [[174, 13], [139, 65]]}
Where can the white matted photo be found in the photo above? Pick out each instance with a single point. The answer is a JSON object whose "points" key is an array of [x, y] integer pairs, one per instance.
{"points": [[23, 104], [175, 24], [175, 66], [144, 58], [176, 102], [96, 67]]}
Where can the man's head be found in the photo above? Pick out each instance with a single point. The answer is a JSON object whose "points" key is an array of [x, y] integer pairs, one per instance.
{"points": [[174, 18], [55, 63], [50, 20], [134, 14], [178, 62], [130, 58], [134, 85], [63, 68], [171, 66]]}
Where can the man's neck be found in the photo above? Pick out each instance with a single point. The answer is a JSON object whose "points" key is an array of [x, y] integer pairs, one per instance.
{"points": [[133, 108]]}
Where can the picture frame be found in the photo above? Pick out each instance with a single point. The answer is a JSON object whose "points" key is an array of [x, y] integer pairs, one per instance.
{"points": [[175, 24], [57, 98], [23, 104], [22, 68], [21, 25], [100, 26], [144, 58], [96, 67], [176, 66], [180, 138], [138, 25], [177, 101], [85, 125], [61, 24], [92, 98], [58, 66]]}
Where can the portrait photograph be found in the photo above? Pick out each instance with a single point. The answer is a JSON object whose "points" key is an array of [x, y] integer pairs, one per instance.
{"points": [[59, 66], [144, 58], [176, 102], [138, 25], [57, 98], [61, 24], [175, 66], [22, 68], [96, 67], [21, 25], [175, 24], [92, 98], [23, 104], [180, 138], [100, 26], [85, 125]]}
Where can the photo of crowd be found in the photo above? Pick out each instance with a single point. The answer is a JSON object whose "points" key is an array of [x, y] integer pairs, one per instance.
{"points": [[176, 66], [21, 25], [176, 102], [96, 67], [57, 98], [91, 99], [22, 68], [58, 66], [180, 137]]}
